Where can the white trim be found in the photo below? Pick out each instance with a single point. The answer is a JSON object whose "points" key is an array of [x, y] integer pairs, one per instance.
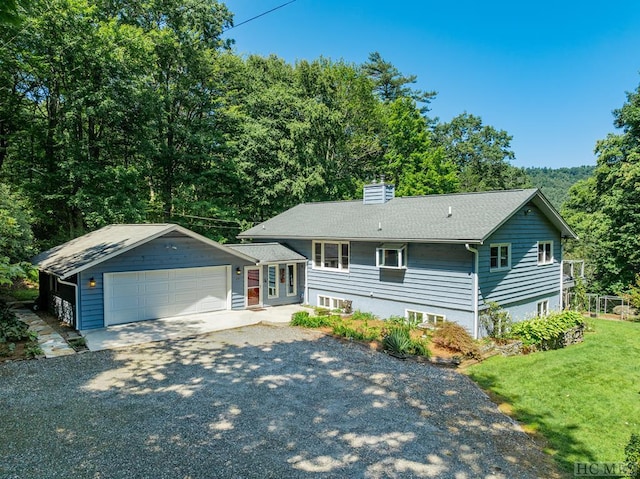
{"points": [[340, 268], [476, 293], [546, 261], [276, 281], [435, 317], [500, 246], [333, 302], [542, 308], [246, 285], [146, 239], [295, 279], [401, 251], [229, 288]]}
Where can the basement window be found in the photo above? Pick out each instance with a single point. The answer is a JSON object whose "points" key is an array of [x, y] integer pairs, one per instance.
{"points": [[391, 255]]}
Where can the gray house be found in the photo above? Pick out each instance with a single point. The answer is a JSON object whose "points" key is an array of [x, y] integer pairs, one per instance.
{"points": [[125, 273], [428, 258]]}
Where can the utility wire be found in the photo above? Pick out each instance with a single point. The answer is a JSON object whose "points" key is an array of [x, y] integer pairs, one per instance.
{"points": [[258, 16]]}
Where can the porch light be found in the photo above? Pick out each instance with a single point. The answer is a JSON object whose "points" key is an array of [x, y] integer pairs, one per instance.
{"points": [[92, 282], [238, 271]]}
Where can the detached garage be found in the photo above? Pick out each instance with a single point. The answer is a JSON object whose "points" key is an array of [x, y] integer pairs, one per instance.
{"points": [[125, 273]]}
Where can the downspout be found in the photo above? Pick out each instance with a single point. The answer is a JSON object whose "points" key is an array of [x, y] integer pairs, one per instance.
{"points": [[306, 283], [75, 287], [475, 288]]}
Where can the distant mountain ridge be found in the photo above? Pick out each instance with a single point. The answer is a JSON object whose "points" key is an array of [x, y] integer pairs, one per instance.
{"points": [[555, 182]]}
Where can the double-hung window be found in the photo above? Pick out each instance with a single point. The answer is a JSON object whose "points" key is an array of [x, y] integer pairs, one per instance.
{"points": [[500, 256], [332, 255], [272, 281], [391, 255], [545, 252]]}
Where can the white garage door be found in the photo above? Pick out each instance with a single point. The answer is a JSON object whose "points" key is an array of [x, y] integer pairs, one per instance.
{"points": [[142, 295]]}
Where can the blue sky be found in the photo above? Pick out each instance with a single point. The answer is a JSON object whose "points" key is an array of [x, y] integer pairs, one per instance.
{"points": [[550, 73]]}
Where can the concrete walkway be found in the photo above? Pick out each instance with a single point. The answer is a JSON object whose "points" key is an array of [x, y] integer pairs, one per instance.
{"points": [[52, 344], [184, 326]]}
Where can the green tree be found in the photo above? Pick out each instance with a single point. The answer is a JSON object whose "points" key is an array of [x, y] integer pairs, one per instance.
{"points": [[618, 189], [410, 160], [481, 154], [390, 84]]}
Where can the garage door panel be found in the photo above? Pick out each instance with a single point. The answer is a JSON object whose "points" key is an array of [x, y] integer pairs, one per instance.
{"points": [[159, 294], [157, 287]]}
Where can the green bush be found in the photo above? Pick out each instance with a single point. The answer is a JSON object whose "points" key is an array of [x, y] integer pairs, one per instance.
{"points": [[455, 338], [11, 328], [362, 316], [632, 456], [302, 318], [397, 340], [535, 332], [495, 320]]}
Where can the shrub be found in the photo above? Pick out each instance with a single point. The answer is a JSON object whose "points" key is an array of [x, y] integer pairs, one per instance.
{"points": [[632, 456], [546, 329], [11, 328], [455, 338], [397, 340], [302, 318], [362, 316], [346, 331], [495, 320]]}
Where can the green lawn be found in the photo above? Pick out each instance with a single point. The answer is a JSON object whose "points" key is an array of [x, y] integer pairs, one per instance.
{"points": [[584, 399]]}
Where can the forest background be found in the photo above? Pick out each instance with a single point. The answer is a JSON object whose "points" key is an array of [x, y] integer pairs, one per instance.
{"points": [[123, 111]]}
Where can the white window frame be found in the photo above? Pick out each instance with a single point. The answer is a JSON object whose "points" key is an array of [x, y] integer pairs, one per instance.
{"points": [[500, 266], [340, 244], [276, 290], [401, 255], [333, 302], [543, 308], [547, 256], [424, 317], [292, 279]]}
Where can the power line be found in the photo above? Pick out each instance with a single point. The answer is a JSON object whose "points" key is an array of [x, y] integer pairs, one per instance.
{"points": [[258, 16]]}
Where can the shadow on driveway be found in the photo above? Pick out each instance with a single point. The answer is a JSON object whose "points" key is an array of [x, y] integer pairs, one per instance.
{"points": [[257, 402]]}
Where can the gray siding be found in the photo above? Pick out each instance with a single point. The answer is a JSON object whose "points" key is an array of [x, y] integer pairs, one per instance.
{"points": [[438, 279], [166, 252], [282, 286], [526, 282]]}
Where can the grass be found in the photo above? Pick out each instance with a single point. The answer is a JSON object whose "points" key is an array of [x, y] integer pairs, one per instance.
{"points": [[584, 400]]}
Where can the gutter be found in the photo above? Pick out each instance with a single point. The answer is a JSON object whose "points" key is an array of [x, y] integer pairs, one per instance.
{"points": [[475, 288], [75, 287]]}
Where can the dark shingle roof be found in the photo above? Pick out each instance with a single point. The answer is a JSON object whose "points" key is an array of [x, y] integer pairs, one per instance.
{"points": [[474, 217], [267, 252], [98, 246]]}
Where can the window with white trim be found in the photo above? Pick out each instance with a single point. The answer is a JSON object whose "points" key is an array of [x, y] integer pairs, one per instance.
{"points": [[272, 281], [419, 317], [543, 308], [391, 255], [500, 256], [330, 302], [332, 255], [292, 280], [545, 252]]}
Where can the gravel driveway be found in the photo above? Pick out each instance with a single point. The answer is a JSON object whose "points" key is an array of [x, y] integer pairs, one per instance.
{"points": [[260, 401]]}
